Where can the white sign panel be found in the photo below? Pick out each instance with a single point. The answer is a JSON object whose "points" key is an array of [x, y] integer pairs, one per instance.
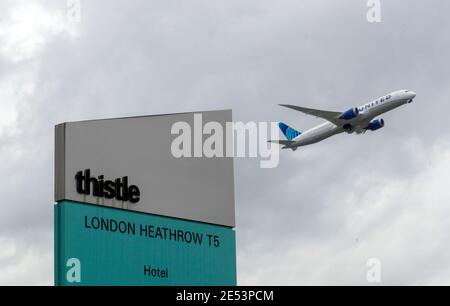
{"points": [[128, 163]]}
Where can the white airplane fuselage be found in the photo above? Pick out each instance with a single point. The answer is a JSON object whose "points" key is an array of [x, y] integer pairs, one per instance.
{"points": [[367, 113]]}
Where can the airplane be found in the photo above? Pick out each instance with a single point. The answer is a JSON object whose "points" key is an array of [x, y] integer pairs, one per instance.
{"points": [[355, 120]]}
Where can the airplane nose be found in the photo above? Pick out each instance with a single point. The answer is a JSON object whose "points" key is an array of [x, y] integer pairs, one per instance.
{"points": [[411, 95]]}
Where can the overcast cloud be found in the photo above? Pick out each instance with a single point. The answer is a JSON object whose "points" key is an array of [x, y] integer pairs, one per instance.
{"points": [[327, 208]]}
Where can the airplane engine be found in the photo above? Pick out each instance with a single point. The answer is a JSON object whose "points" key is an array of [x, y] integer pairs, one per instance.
{"points": [[350, 114], [375, 124]]}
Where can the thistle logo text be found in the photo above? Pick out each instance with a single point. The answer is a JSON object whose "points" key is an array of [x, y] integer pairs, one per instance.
{"points": [[109, 189]]}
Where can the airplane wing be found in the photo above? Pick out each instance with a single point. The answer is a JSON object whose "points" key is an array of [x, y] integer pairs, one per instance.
{"points": [[333, 117]]}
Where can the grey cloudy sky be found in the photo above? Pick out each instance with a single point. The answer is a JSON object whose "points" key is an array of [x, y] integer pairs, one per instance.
{"points": [[327, 208]]}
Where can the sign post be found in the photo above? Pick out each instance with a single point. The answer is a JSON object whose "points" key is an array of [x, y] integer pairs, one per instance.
{"points": [[130, 213]]}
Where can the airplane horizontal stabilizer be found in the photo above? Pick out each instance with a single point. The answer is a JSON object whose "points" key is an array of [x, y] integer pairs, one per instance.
{"points": [[286, 143]]}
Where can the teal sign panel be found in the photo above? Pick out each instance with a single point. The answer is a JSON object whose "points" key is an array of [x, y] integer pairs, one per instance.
{"points": [[97, 245]]}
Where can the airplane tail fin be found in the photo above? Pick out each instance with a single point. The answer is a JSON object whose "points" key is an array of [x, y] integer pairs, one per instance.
{"points": [[288, 132]]}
